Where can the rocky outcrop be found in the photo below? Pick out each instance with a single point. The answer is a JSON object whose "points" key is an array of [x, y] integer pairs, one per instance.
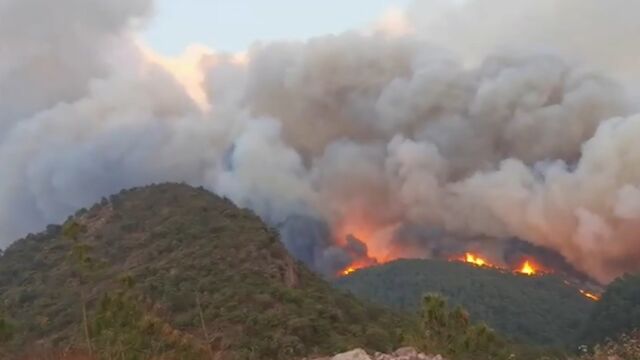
{"points": [[405, 353], [357, 354]]}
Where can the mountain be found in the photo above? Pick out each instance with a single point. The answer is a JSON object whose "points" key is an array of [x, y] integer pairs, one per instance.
{"points": [[540, 310], [617, 313], [173, 271]]}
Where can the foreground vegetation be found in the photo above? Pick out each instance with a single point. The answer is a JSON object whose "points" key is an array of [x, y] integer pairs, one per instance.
{"points": [[450, 332], [121, 331]]}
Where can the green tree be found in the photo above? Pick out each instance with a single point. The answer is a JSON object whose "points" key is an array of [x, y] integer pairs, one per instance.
{"points": [[449, 331], [122, 329], [6, 329], [6, 334]]}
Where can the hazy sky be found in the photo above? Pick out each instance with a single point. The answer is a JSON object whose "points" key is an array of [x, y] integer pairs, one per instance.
{"points": [[233, 25]]}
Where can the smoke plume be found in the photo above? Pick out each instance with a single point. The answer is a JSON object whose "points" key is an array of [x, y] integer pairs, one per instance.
{"points": [[360, 147]]}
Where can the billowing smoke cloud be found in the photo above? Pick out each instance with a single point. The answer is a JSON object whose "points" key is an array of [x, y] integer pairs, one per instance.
{"points": [[360, 147], [598, 32], [50, 50]]}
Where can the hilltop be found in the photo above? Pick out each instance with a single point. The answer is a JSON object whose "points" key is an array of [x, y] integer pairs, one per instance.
{"points": [[540, 310], [174, 271]]}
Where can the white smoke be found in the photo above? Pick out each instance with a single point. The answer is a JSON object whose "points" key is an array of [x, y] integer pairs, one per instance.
{"points": [[50, 50], [360, 133], [600, 33]]}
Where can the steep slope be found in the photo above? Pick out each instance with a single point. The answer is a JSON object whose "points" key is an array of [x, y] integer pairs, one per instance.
{"points": [[539, 310], [166, 270]]}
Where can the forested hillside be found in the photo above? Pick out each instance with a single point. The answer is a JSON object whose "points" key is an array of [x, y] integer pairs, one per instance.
{"points": [[541, 310], [617, 313], [175, 272]]}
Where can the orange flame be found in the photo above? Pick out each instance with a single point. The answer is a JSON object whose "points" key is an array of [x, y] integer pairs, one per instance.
{"points": [[527, 268], [349, 270], [378, 253], [473, 259], [359, 265], [589, 295], [530, 267], [364, 232]]}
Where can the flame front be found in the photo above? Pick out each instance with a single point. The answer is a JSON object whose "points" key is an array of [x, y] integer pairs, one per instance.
{"points": [[589, 295], [364, 233], [355, 267], [527, 269], [474, 259], [348, 271], [470, 258]]}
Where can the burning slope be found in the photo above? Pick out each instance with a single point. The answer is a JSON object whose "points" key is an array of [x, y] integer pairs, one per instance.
{"points": [[540, 309], [527, 266], [369, 244], [475, 260]]}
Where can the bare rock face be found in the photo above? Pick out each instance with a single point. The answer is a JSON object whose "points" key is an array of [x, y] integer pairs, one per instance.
{"points": [[405, 353], [357, 354]]}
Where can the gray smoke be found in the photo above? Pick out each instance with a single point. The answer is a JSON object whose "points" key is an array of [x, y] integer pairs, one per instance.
{"points": [[312, 241], [359, 147]]}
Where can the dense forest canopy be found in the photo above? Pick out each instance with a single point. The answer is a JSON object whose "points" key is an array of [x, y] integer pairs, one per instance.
{"points": [[617, 313]]}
